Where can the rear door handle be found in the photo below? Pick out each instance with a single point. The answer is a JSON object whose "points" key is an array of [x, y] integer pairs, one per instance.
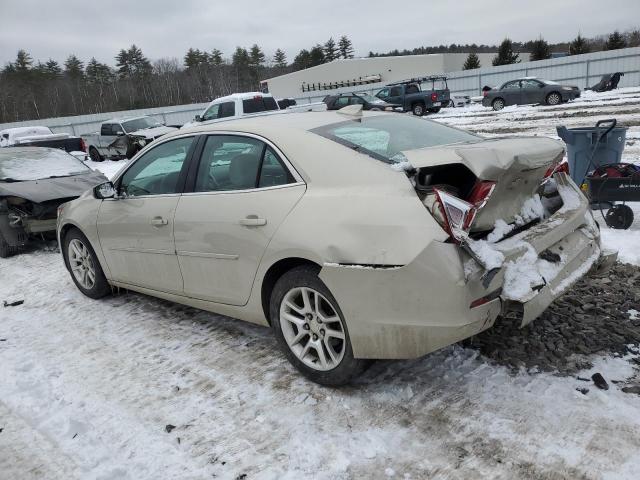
{"points": [[159, 221], [253, 221]]}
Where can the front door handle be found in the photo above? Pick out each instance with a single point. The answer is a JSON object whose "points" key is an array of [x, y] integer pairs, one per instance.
{"points": [[159, 221], [253, 221]]}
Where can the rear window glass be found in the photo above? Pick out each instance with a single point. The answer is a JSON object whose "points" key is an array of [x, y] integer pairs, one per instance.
{"points": [[385, 137], [259, 104]]}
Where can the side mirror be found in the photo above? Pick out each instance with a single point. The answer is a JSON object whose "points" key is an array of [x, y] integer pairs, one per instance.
{"points": [[198, 118], [104, 190]]}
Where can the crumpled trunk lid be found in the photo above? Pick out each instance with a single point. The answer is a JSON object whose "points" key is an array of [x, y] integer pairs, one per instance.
{"points": [[516, 165]]}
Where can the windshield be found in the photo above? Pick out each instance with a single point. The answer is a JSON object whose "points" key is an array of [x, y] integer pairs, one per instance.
{"points": [[369, 98], [140, 124], [24, 164], [384, 137]]}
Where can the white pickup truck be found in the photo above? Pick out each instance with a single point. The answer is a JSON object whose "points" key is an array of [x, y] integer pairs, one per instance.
{"points": [[235, 106], [123, 137]]}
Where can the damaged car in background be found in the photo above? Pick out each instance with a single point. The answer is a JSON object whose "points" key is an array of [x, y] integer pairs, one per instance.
{"points": [[34, 181], [122, 138], [354, 235]]}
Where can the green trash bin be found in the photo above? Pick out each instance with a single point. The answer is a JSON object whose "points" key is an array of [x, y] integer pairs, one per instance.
{"points": [[589, 147]]}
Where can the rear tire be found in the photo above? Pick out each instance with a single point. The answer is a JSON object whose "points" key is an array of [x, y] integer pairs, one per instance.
{"points": [[95, 155], [303, 312], [418, 109], [554, 98], [498, 104], [83, 265]]}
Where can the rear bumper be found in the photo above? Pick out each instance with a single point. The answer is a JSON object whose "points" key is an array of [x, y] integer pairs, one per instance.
{"points": [[411, 310]]}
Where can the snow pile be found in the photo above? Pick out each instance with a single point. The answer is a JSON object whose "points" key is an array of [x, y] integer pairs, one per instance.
{"points": [[404, 166], [531, 210], [522, 275], [634, 314], [30, 165], [500, 230], [484, 252]]}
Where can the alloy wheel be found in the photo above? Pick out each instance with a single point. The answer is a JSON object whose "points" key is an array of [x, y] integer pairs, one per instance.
{"points": [[312, 328], [553, 99], [81, 263]]}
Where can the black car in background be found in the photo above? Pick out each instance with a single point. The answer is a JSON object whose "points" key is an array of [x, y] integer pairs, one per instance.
{"points": [[523, 91], [368, 102]]}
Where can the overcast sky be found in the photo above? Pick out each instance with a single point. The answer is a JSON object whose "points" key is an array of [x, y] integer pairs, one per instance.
{"points": [[167, 28]]}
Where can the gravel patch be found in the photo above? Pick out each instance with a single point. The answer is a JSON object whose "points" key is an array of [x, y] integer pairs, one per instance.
{"points": [[591, 318]]}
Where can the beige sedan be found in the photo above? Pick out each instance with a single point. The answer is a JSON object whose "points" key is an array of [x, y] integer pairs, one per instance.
{"points": [[354, 236]]}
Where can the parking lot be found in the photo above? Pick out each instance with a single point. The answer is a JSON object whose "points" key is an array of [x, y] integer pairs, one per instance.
{"points": [[133, 387]]}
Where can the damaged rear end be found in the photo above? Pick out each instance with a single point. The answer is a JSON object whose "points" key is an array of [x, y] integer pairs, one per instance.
{"points": [[525, 231]]}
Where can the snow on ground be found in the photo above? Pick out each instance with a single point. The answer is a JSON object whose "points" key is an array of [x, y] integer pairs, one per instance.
{"points": [[90, 389]]}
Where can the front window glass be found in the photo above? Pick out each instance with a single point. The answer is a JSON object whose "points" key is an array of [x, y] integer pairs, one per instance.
{"points": [[157, 171], [395, 91], [384, 93], [531, 84], [25, 164], [140, 124], [369, 98], [211, 112], [385, 137]]}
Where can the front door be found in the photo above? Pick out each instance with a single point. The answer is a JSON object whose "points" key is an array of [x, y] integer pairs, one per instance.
{"points": [[136, 229], [242, 193]]}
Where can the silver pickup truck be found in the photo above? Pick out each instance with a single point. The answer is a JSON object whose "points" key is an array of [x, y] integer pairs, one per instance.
{"points": [[123, 137]]}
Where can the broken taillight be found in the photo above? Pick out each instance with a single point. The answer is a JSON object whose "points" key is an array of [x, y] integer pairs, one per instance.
{"points": [[480, 193], [434, 97], [456, 215], [556, 168], [83, 145]]}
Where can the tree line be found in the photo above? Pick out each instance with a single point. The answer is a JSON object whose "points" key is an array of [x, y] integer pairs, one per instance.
{"points": [[32, 89], [508, 52]]}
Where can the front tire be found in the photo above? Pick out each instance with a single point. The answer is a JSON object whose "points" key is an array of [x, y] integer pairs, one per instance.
{"points": [[311, 329], [95, 155], [83, 265], [554, 98]]}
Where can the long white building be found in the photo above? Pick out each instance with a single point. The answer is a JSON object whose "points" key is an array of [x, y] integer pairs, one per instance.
{"points": [[365, 71]]}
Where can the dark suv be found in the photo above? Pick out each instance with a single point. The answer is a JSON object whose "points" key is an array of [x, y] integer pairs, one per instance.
{"points": [[418, 95]]}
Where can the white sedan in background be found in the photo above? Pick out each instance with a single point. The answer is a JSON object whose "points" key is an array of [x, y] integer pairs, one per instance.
{"points": [[354, 235]]}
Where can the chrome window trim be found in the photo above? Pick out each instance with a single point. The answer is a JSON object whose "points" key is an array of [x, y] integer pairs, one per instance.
{"points": [[246, 190]]}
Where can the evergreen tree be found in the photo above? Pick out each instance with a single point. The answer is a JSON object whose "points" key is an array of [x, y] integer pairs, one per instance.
{"points": [[506, 55], [279, 59], [73, 67], [346, 47], [97, 72], [540, 50], [132, 63], [240, 58], [330, 51], [256, 56], [52, 68], [23, 61], [634, 38], [302, 60], [215, 57], [579, 45], [472, 62], [615, 41], [316, 56], [193, 58]]}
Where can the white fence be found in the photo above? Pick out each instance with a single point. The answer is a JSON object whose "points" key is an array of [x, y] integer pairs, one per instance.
{"points": [[581, 70]]}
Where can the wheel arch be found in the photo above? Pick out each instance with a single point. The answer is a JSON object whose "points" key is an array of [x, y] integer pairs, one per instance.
{"points": [[274, 273], [63, 231]]}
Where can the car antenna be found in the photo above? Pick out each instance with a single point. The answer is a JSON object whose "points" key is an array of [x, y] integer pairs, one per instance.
{"points": [[351, 110]]}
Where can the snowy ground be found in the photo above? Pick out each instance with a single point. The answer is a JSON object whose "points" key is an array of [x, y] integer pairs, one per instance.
{"points": [[90, 389]]}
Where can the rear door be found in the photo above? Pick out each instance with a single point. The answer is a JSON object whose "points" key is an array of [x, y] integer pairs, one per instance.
{"points": [[532, 91], [242, 190], [510, 91], [136, 229]]}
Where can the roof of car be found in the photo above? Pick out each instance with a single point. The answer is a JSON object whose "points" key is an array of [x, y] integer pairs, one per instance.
{"points": [[281, 120], [241, 96], [124, 119]]}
